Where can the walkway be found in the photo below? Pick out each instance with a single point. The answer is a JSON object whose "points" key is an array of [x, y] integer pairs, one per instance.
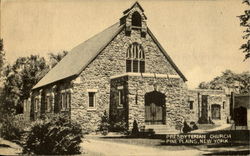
{"points": [[102, 148]]}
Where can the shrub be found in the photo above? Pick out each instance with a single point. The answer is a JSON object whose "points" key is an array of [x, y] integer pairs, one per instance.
{"points": [[193, 125], [104, 126], [58, 135], [13, 127], [135, 129], [186, 127], [119, 126]]}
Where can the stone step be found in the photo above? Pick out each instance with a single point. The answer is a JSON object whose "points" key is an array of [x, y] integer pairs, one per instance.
{"points": [[156, 126], [161, 129]]}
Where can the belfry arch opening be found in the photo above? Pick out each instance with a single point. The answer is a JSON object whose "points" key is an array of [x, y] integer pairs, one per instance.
{"points": [[136, 19]]}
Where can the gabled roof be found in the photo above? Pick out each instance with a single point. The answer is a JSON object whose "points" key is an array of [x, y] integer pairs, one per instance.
{"points": [[79, 57], [166, 55], [134, 5]]}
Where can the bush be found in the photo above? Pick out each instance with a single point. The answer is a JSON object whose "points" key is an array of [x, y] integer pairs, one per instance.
{"points": [[119, 126], [59, 135], [135, 129], [193, 125], [13, 127], [186, 127], [104, 126]]}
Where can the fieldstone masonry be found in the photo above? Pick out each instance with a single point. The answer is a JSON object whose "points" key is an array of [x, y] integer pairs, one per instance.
{"points": [[107, 72], [215, 97], [110, 62]]}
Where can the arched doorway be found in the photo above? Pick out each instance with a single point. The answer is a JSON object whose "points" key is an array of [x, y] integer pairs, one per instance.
{"points": [[215, 111], [240, 116], [155, 108]]}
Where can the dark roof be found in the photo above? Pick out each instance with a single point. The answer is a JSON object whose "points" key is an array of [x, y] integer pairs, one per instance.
{"points": [[80, 56]]}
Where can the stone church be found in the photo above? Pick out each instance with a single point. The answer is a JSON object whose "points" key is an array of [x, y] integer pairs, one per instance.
{"points": [[123, 71]]}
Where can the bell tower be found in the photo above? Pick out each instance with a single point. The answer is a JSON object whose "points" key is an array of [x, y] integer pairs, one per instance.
{"points": [[134, 18]]}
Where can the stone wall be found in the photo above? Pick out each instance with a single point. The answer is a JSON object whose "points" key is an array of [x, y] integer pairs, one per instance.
{"points": [[119, 114], [175, 93], [53, 90], [111, 61], [214, 97]]}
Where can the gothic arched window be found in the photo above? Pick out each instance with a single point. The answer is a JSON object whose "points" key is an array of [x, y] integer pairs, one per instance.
{"points": [[136, 19], [135, 59]]}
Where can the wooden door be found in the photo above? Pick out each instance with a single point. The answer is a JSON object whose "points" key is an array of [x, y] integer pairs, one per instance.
{"points": [[154, 108]]}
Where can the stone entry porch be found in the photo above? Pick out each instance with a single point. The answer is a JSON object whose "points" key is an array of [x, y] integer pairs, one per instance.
{"points": [[148, 99]]}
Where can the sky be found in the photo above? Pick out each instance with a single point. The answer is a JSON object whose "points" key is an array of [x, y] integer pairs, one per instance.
{"points": [[201, 36]]}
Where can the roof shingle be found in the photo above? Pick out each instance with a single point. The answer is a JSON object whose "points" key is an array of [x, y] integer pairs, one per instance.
{"points": [[80, 56]]}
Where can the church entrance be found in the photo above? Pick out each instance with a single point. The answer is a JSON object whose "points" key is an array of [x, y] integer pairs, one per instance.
{"points": [[240, 116], [155, 108]]}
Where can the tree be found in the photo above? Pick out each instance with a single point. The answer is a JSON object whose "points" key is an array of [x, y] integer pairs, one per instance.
{"points": [[19, 80], [55, 58], [231, 80], [244, 22], [2, 57], [204, 85]]}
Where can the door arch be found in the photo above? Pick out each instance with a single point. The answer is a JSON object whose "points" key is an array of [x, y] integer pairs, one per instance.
{"points": [[155, 108]]}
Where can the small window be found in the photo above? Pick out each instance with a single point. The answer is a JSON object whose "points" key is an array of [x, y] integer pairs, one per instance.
{"points": [[36, 105], [48, 103], [91, 99], [63, 101], [191, 103], [121, 98], [68, 100], [223, 105]]}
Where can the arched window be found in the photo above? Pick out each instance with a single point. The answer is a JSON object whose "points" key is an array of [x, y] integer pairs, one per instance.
{"points": [[136, 19], [135, 59]]}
